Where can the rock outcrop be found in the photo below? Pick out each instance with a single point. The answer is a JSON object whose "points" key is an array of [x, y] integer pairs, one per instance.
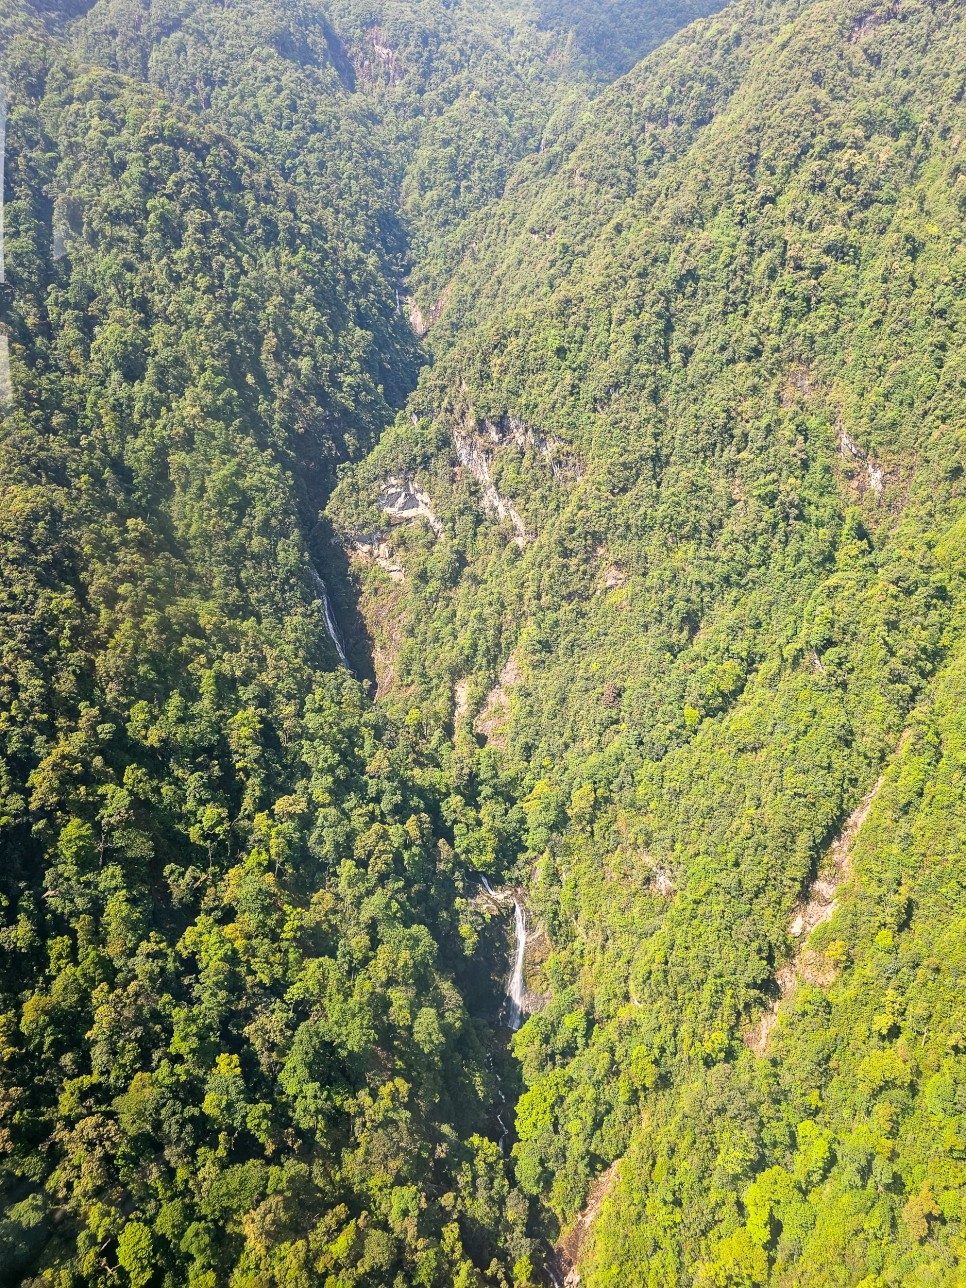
{"points": [[402, 501]]}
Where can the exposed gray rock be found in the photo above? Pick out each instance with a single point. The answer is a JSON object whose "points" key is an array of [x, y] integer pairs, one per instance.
{"points": [[402, 501]]}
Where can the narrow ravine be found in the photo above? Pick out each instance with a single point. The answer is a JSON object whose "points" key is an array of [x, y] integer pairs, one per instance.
{"points": [[815, 910], [565, 1253]]}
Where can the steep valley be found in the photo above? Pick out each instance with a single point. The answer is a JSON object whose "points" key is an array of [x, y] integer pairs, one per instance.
{"points": [[482, 510]]}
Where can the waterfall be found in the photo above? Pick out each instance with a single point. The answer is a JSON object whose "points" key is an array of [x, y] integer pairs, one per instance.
{"points": [[59, 231], [515, 987], [330, 624], [333, 630], [504, 1129]]}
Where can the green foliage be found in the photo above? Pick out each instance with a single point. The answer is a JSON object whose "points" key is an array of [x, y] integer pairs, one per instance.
{"points": [[409, 115], [692, 442], [234, 1036]]}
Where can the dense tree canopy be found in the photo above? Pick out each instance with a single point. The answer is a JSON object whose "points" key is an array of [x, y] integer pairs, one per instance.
{"points": [[694, 444], [616, 431]]}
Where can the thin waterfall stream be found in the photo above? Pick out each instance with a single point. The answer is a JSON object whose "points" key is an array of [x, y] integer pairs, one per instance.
{"points": [[515, 990], [330, 623]]}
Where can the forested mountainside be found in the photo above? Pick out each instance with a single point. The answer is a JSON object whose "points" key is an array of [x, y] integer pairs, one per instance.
{"points": [[408, 116], [233, 1029], [694, 448], [615, 428]]}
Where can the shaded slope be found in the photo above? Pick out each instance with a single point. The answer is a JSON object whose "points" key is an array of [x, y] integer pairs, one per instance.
{"points": [[234, 935]]}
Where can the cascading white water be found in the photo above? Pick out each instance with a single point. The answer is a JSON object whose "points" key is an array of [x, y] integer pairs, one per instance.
{"points": [[514, 990], [330, 624], [58, 246], [333, 630]]}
